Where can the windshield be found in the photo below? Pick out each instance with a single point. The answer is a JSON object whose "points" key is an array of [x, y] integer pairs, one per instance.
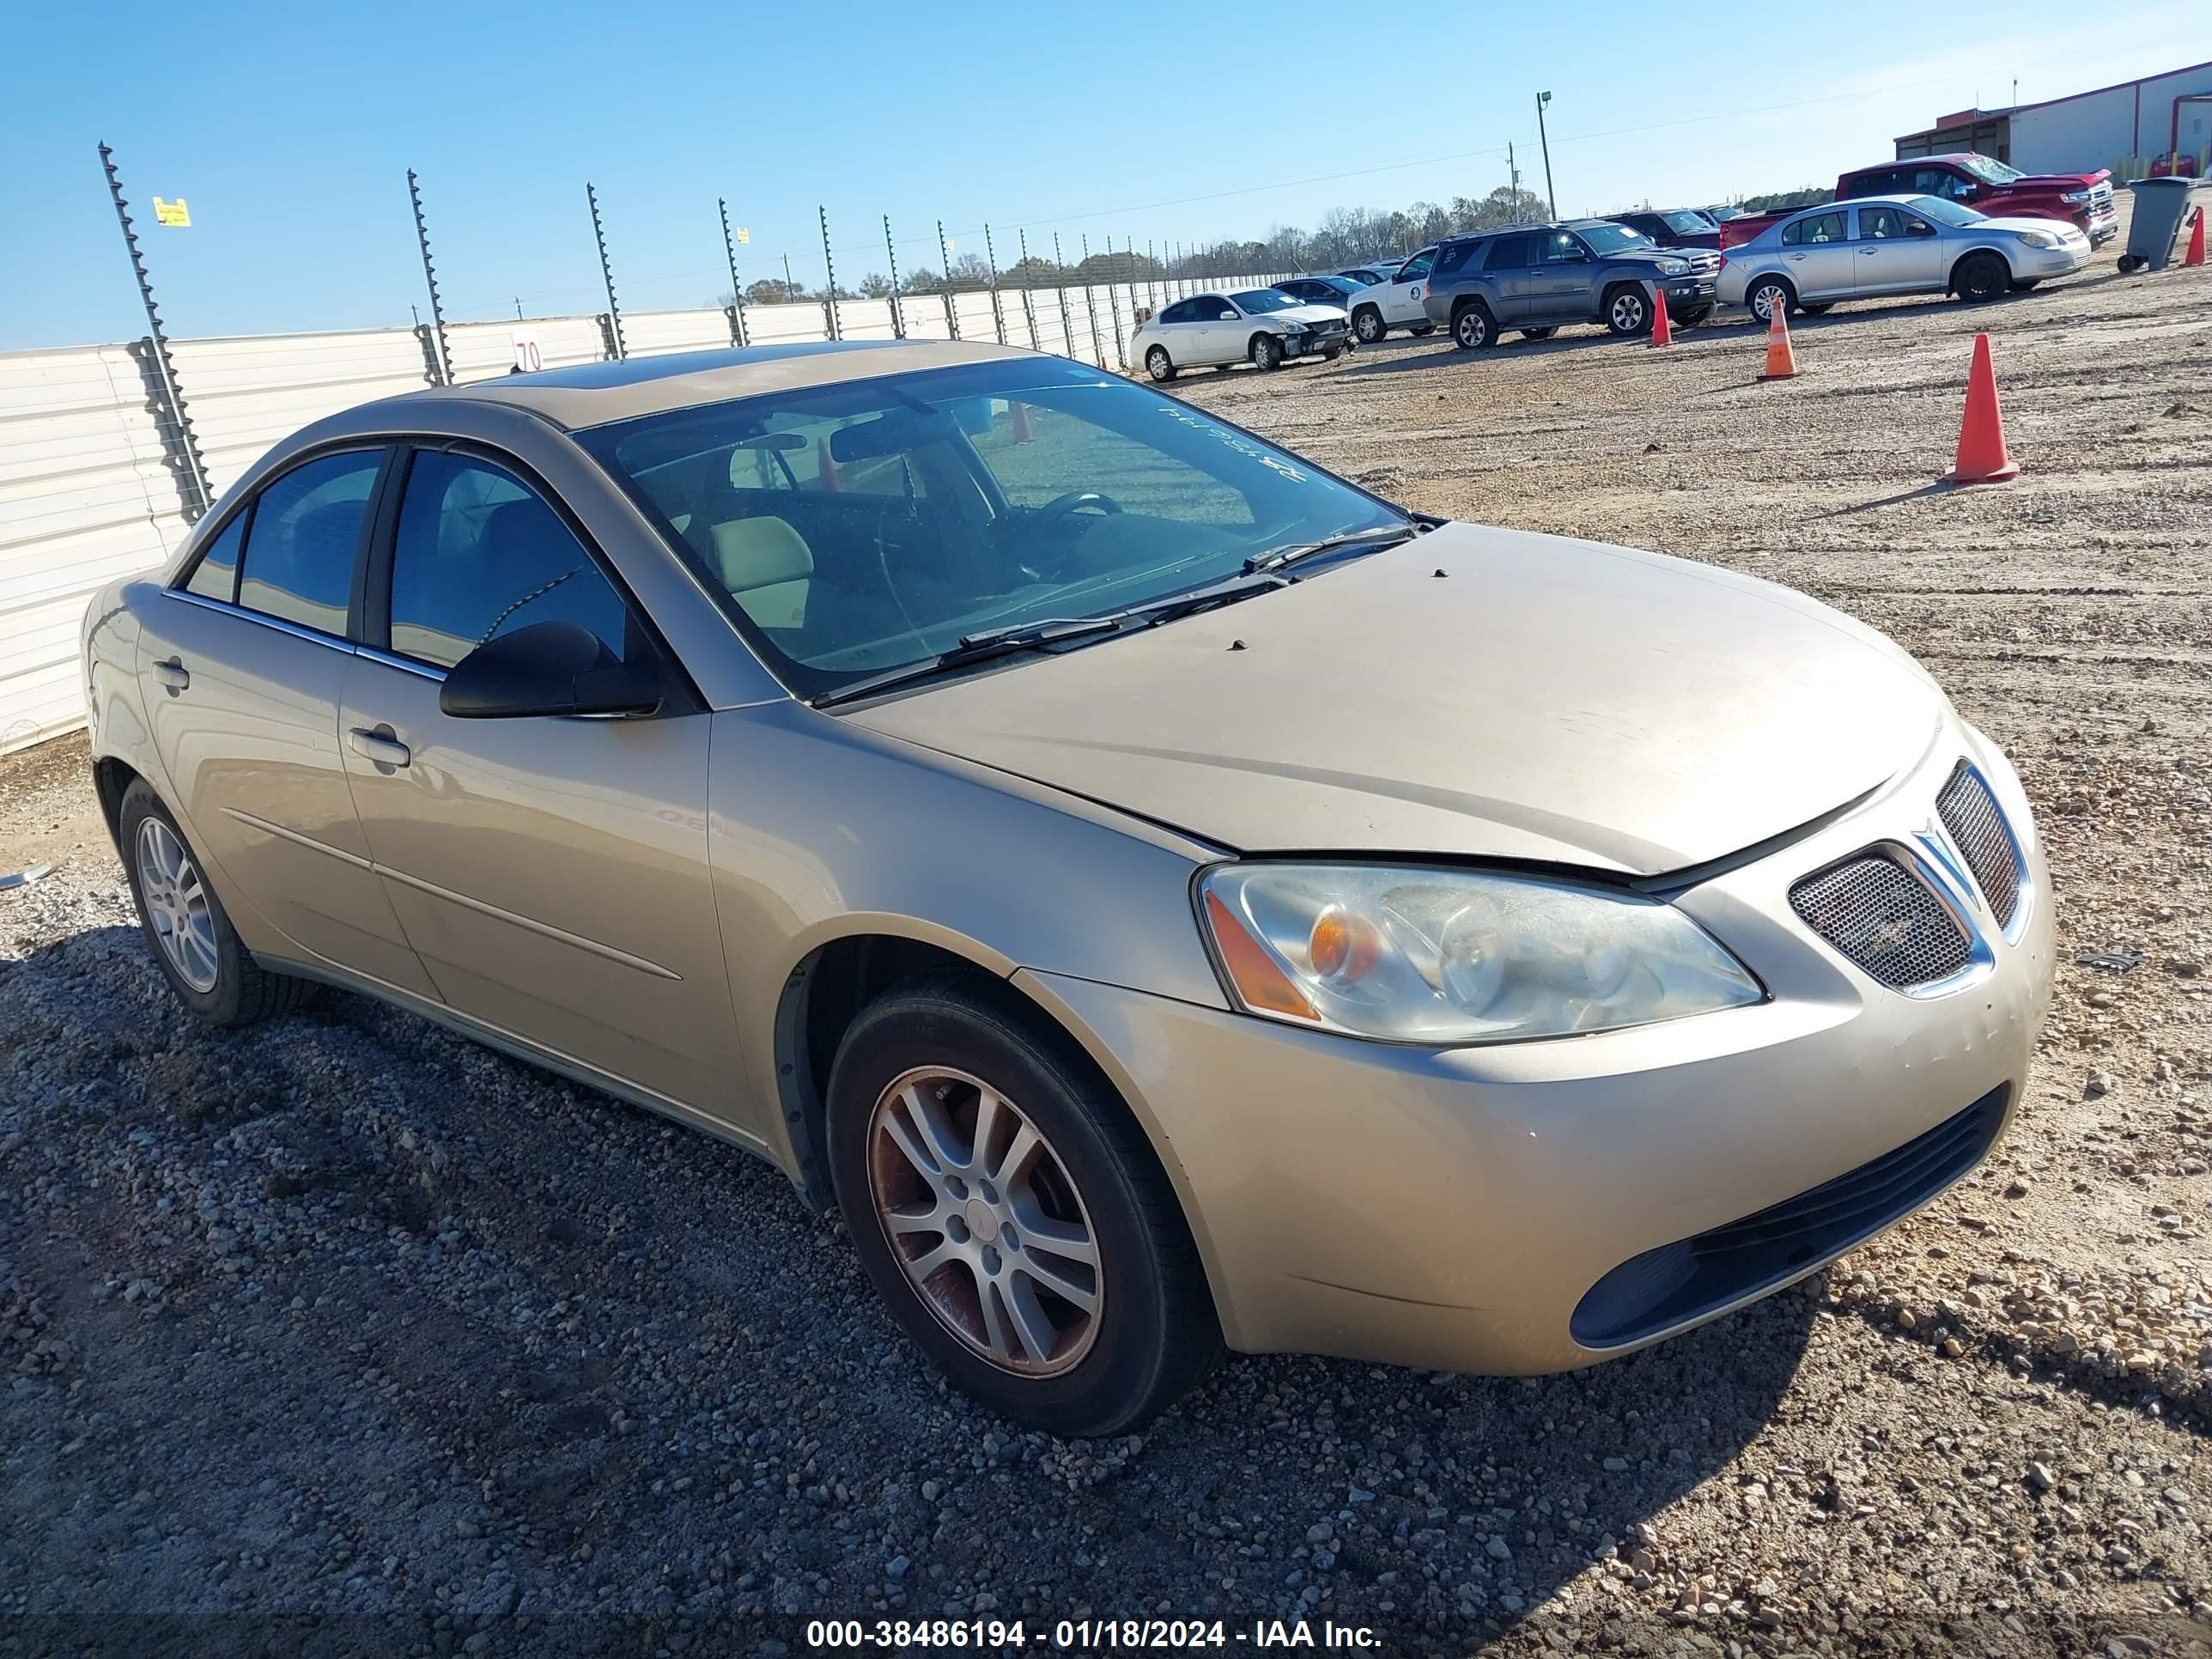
{"points": [[852, 528], [1988, 172], [1612, 239], [1256, 300], [1683, 222], [1947, 213]]}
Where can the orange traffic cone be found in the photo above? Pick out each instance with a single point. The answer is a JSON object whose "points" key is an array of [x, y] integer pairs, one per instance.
{"points": [[1781, 361], [1021, 423], [1662, 331], [1983, 457], [825, 465], [2195, 254]]}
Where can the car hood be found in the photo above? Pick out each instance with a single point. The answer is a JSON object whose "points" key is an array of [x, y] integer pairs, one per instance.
{"points": [[2016, 221], [1311, 312], [1476, 692], [2058, 180]]}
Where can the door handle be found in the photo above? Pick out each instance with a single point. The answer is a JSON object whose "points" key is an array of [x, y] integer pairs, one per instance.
{"points": [[377, 747], [172, 674], [1869, 250], [1797, 257]]}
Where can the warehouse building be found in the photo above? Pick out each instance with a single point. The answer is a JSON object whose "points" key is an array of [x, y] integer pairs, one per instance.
{"points": [[2159, 115]]}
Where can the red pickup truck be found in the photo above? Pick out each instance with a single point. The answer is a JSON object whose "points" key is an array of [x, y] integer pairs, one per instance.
{"points": [[1974, 181]]}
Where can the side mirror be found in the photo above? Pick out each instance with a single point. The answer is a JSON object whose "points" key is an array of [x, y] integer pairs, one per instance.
{"points": [[549, 668]]}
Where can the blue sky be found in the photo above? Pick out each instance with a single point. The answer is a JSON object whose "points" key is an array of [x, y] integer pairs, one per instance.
{"points": [[289, 129]]}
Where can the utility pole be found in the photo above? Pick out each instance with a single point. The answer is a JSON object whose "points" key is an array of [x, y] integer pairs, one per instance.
{"points": [[1545, 138]]}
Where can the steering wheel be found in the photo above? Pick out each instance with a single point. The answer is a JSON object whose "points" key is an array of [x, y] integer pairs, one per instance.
{"points": [[1060, 505], [1055, 509]]}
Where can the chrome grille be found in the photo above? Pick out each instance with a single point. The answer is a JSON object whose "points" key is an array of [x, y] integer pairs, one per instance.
{"points": [[1870, 909], [1971, 814], [1703, 261]]}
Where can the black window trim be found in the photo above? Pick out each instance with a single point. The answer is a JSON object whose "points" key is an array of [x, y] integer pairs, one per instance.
{"points": [[372, 637], [246, 508]]}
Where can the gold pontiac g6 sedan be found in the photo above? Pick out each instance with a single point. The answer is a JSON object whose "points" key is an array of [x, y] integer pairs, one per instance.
{"points": [[1165, 897]]}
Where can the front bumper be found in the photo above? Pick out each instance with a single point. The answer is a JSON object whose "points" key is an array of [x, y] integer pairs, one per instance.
{"points": [[1686, 293], [1454, 1208], [1312, 342], [2100, 224], [2043, 263]]}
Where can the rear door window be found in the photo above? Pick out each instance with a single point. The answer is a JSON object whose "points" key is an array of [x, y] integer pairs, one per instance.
{"points": [[306, 533], [1817, 228], [1450, 258], [1508, 253]]}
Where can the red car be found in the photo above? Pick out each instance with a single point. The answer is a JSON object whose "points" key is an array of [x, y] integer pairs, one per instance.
{"points": [[1975, 181]]}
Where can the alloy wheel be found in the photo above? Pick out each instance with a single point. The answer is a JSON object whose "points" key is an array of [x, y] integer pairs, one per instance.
{"points": [[176, 902], [1628, 312], [979, 1210]]}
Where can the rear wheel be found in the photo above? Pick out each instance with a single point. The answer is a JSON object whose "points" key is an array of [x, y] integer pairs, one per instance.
{"points": [[1157, 365], [1474, 327], [1981, 277], [1368, 325], [1009, 1211], [1767, 292], [195, 946], [1267, 352], [1627, 310]]}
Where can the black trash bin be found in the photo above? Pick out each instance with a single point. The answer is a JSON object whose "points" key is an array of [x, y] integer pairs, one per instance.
{"points": [[2162, 208]]}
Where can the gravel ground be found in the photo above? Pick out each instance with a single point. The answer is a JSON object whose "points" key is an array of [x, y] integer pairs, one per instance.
{"points": [[346, 1336]]}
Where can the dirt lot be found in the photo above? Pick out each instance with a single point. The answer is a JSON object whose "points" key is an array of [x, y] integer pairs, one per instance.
{"points": [[348, 1323]]}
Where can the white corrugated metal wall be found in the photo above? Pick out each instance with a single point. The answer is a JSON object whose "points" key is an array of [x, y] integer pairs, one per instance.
{"points": [[88, 489]]}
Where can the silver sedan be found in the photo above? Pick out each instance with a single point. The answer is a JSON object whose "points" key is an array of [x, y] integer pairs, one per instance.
{"points": [[1884, 245]]}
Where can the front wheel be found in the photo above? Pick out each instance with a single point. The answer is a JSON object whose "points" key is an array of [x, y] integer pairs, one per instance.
{"points": [[1628, 310], [195, 946], [1006, 1205], [1982, 277], [1367, 326], [1267, 352], [1691, 318], [1158, 366]]}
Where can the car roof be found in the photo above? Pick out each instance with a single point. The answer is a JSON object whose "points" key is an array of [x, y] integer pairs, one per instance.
{"points": [[594, 394]]}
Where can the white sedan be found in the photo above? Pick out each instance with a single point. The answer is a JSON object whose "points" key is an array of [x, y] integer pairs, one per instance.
{"points": [[1256, 325], [1883, 245]]}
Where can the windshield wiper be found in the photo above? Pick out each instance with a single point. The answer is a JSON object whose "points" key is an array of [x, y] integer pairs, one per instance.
{"points": [[976, 647], [1275, 558]]}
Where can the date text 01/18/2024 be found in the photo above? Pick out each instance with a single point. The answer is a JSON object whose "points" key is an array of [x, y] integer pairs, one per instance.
{"points": [[1085, 1635]]}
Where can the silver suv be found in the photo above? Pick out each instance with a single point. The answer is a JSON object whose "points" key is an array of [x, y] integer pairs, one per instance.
{"points": [[1587, 270]]}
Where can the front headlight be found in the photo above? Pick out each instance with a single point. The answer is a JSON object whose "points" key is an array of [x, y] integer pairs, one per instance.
{"points": [[1674, 267], [1453, 956], [2037, 238]]}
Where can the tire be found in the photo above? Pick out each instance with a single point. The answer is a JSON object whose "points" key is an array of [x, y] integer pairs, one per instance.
{"points": [[1422, 330], [1981, 277], [935, 1044], [1266, 353], [1759, 297], [1368, 326], [1539, 333], [1159, 365], [2130, 263], [1627, 310], [1330, 354], [1474, 327], [194, 945], [1690, 319]]}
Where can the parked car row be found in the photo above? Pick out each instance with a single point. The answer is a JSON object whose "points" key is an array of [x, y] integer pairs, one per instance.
{"points": [[1907, 227]]}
